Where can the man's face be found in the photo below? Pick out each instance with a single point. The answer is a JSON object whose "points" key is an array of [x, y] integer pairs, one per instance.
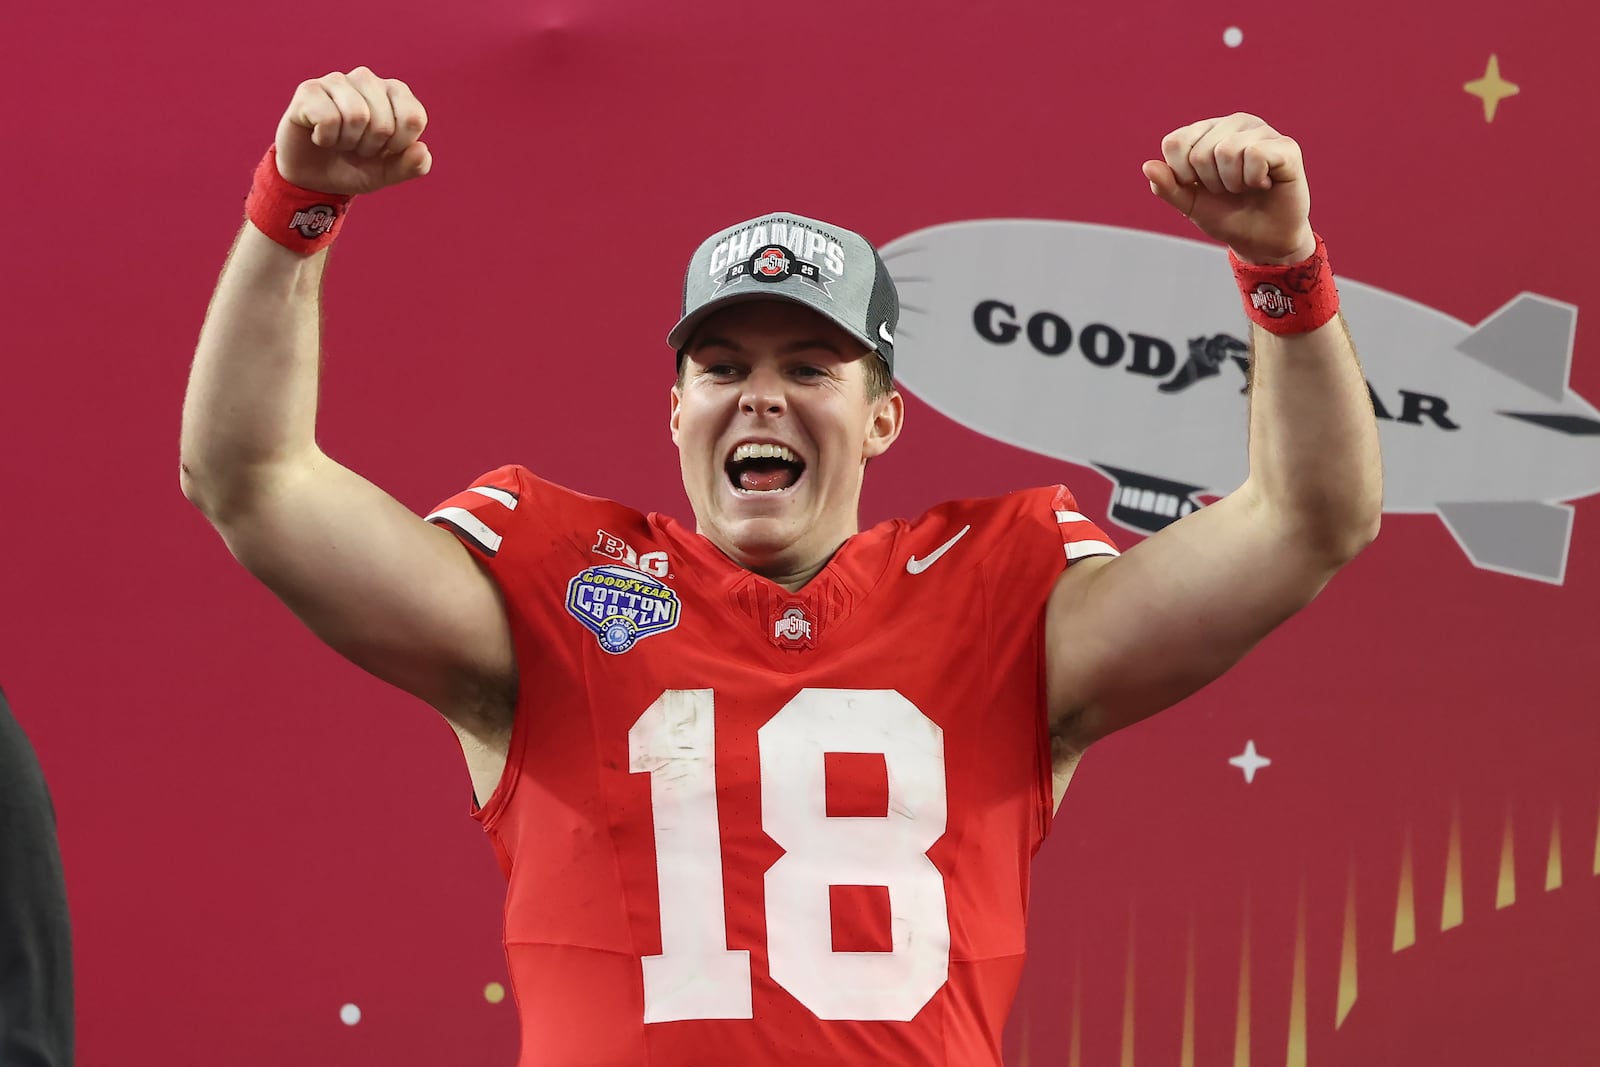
{"points": [[768, 377]]}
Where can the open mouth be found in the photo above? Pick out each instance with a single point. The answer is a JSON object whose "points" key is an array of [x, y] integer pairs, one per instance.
{"points": [[764, 468]]}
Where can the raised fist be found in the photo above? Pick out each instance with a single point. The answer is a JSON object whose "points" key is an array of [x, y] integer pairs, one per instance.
{"points": [[1242, 182], [352, 133]]}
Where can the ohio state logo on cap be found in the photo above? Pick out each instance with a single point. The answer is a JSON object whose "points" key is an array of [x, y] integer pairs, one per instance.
{"points": [[771, 263]]}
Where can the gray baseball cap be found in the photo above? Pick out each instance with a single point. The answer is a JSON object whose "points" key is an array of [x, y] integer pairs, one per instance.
{"points": [[782, 256]]}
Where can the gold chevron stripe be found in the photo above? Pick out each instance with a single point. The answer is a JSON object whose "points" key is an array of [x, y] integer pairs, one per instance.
{"points": [[1186, 1056], [1296, 1056], [1127, 1002], [1241, 1025], [1597, 848], [1505, 894], [1075, 1047], [1347, 953], [1405, 910], [1450, 913], [1552, 867]]}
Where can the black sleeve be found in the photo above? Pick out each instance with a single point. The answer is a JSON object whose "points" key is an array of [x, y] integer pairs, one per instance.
{"points": [[36, 1009]]}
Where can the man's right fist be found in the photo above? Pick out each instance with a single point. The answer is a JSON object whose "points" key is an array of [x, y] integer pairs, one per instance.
{"points": [[352, 133]]}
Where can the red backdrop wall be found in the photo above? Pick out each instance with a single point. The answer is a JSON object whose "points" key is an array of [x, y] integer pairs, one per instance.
{"points": [[256, 834]]}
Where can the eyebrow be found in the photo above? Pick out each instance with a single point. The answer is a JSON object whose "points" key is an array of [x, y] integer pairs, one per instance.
{"points": [[804, 345]]}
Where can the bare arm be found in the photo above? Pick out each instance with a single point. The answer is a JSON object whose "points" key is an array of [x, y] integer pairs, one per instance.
{"points": [[1132, 635], [399, 597]]}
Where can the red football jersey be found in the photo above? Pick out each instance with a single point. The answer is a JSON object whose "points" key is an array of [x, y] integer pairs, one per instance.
{"points": [[743, 826]]}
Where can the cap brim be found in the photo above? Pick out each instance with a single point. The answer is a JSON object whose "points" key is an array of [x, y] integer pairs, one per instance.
{"points": [[681, 334]]}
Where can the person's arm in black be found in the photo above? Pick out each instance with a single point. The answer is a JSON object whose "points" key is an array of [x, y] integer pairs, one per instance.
{"points": [[36, 1005]]}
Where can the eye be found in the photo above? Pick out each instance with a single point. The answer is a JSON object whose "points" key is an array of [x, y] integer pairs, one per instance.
{"points": [[806, 370]]}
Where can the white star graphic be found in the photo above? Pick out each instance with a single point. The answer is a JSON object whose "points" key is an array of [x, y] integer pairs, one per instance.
{"points": [[1249, 761]]}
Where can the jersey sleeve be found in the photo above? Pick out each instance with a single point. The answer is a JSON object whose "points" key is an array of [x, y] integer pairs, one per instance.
{"points": [[523, 530], [1080, 536], [1040, 533], [511, 517], [484, 514]]}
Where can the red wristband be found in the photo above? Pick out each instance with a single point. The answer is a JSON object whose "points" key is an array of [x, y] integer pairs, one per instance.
{"points": [[301, 220], [1292, 298]]}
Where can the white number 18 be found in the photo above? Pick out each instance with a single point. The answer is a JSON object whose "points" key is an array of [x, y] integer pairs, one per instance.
{"points": [[697, 976]]}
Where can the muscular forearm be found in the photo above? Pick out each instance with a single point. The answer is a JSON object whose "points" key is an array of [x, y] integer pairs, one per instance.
{"points": [[252, 398], [1314, 439]]}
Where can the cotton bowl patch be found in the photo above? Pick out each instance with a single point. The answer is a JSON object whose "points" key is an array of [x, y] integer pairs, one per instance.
{"points": [[620, 605]]}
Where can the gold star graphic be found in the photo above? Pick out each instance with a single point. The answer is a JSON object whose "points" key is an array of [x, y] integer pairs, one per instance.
{"points": [[1491, 88]]}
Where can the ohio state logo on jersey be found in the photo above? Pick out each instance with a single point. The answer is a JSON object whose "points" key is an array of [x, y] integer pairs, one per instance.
{"points": [[793, 627]]}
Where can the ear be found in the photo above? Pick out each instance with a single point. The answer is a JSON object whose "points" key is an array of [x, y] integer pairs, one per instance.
{"points": [[888, 415], [672, 420]]}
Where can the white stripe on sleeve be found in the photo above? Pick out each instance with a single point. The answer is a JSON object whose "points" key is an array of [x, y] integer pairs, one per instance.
{"points": [[1079, 549], [470, 526], [1071, 516], [498, 495]]}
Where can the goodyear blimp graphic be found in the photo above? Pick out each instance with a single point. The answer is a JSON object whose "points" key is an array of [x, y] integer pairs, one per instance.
{"points": [[1128, 352]]}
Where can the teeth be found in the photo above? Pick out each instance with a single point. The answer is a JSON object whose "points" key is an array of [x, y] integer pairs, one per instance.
{"points": [[749, 451]]}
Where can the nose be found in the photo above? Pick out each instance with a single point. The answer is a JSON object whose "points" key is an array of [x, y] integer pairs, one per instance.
{"points": [[763, 393]]}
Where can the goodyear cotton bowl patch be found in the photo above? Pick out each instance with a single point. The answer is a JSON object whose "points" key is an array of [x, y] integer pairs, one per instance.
{"points": [[620, 605]]}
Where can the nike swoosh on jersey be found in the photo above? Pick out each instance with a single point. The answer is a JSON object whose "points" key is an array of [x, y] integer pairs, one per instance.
{"points": [[917, 566]]}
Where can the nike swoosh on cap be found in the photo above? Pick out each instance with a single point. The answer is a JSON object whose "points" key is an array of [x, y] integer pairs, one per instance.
{"points": [[883, 332], [917, 566]]}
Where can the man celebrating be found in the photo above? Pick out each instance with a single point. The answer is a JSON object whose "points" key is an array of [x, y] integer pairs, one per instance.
{"points": [[766, 790]]}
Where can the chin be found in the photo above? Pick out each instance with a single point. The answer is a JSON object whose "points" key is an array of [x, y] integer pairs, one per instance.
{"points": [[761, 539]]}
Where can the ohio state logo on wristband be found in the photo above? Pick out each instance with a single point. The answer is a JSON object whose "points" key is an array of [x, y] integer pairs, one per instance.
{"points": [[301, 220], [315, 221], [1295, 298], [1270, 300]]}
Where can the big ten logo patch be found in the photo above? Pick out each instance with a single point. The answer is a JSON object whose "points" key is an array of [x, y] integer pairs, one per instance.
{"points": [[613, 547]]}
